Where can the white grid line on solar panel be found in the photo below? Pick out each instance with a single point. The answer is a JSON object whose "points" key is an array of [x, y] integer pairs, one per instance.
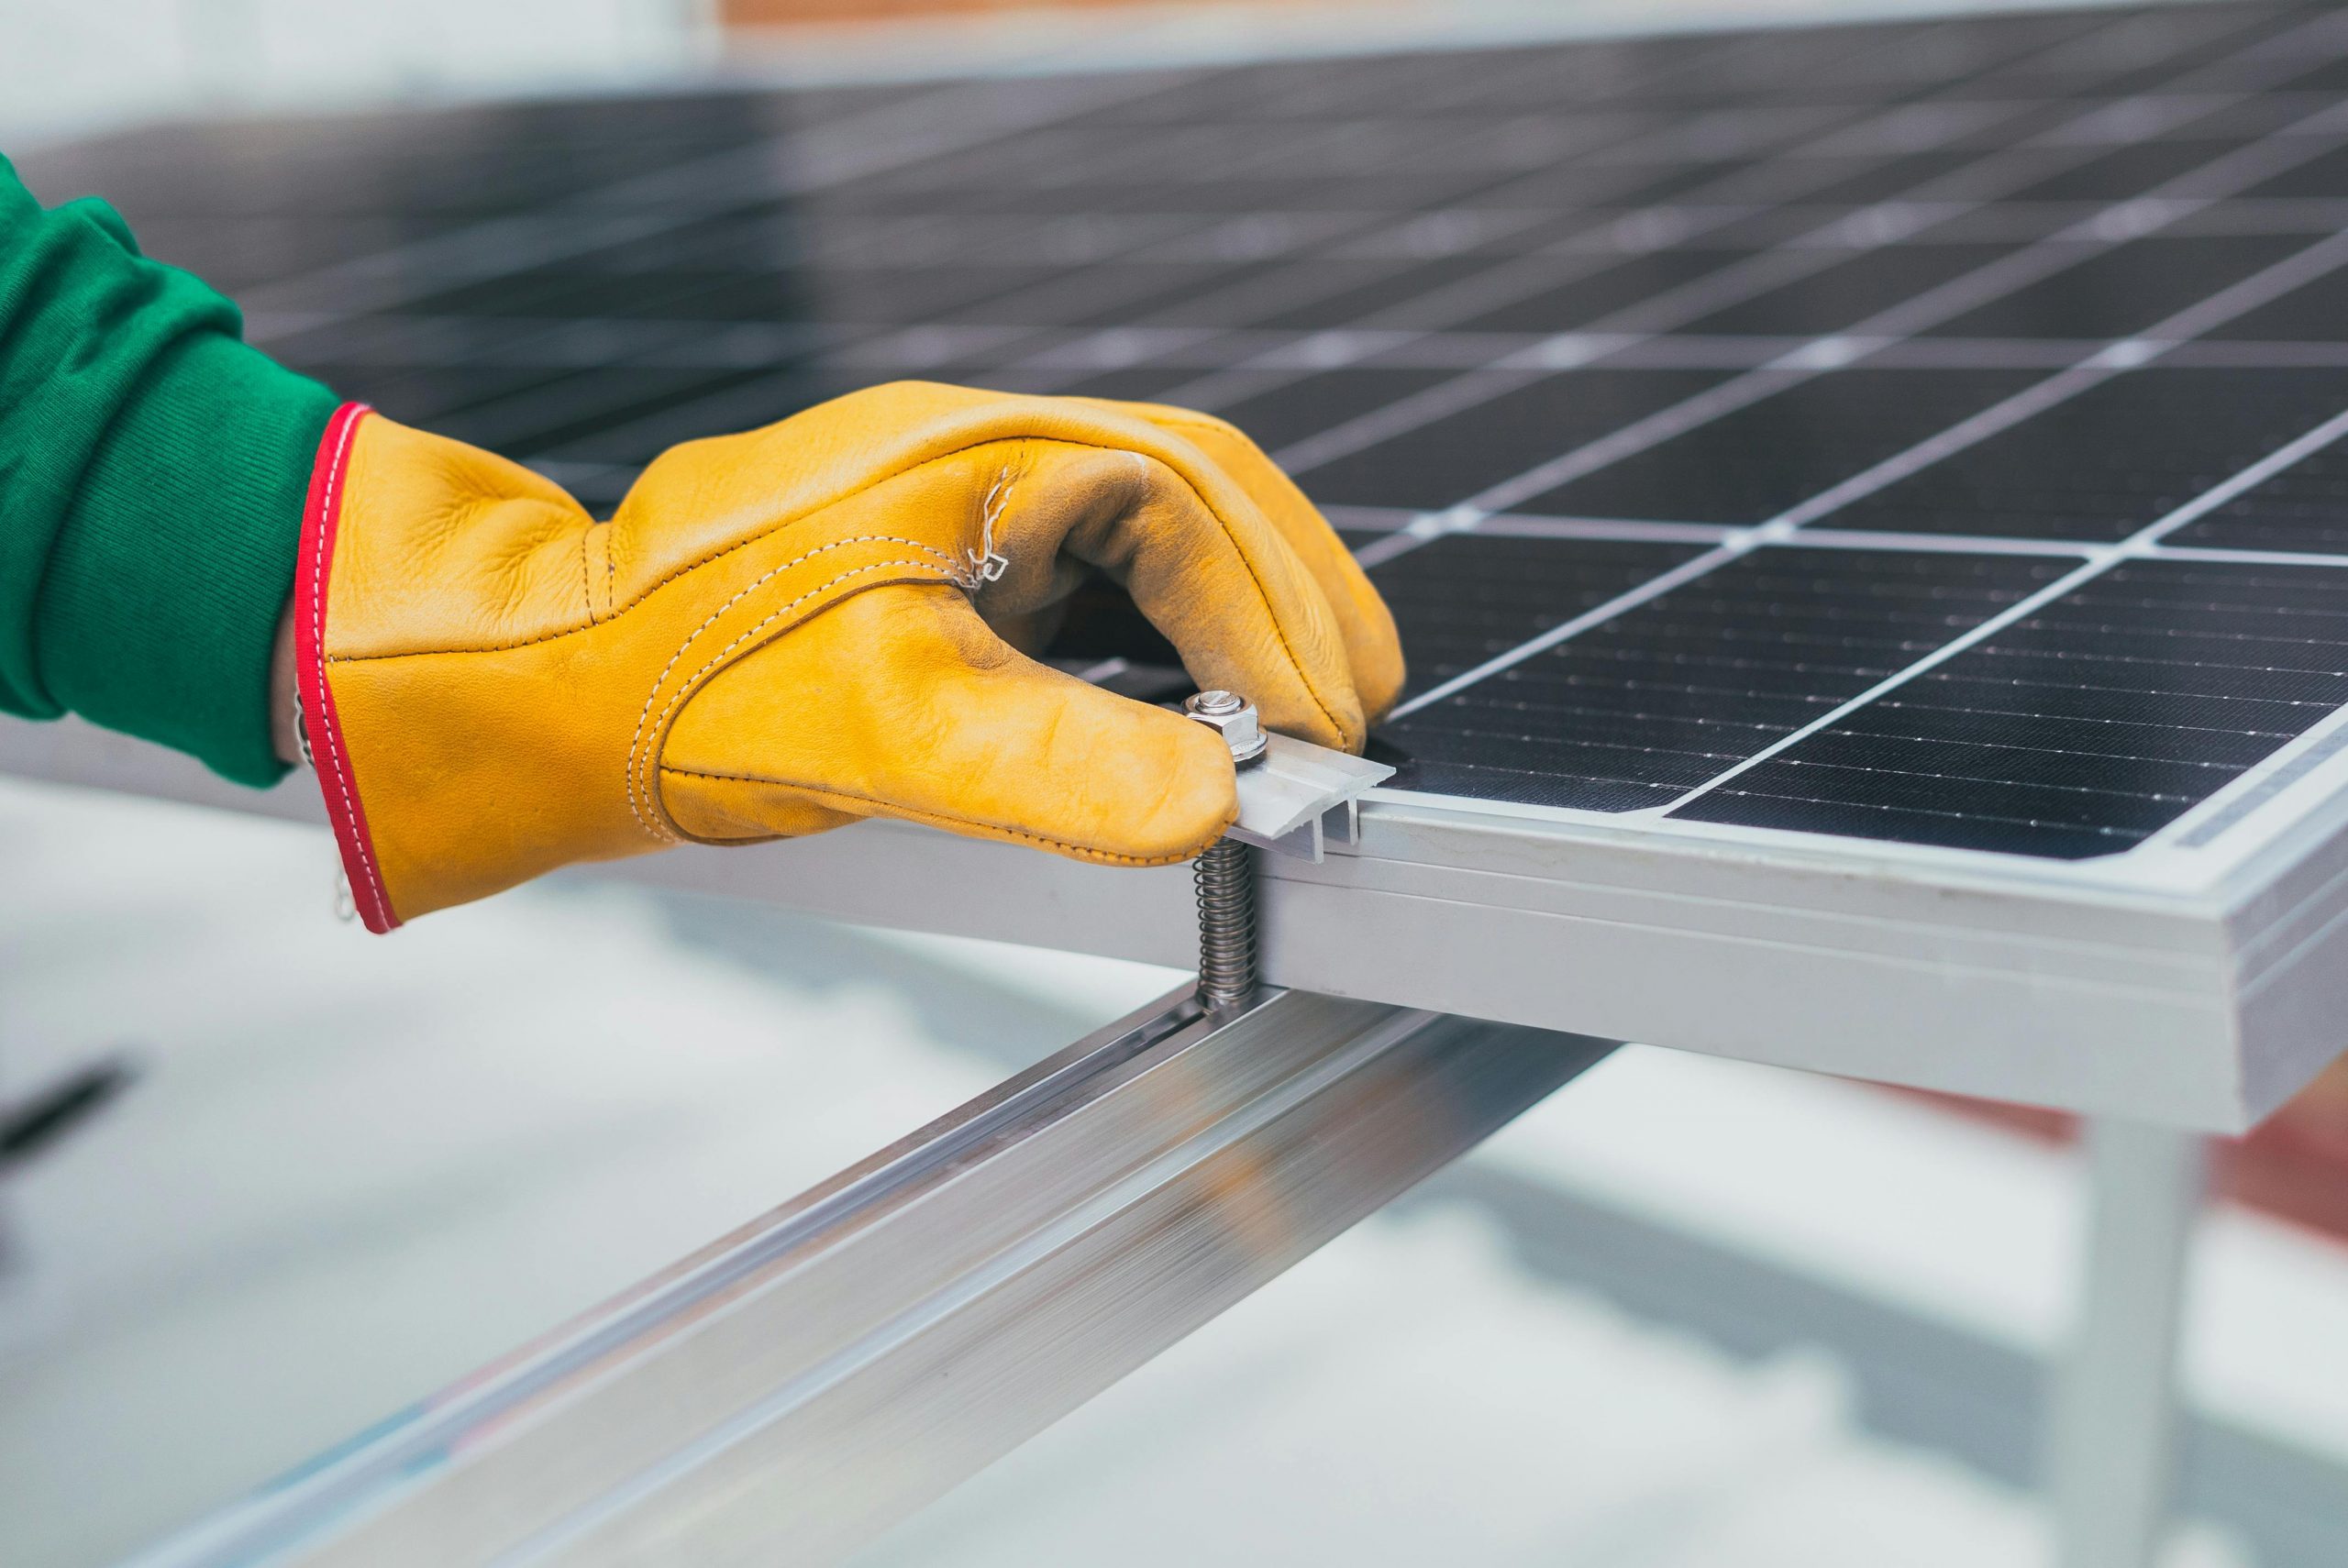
{"points": [[832, 243], [2101, 559], [1646, 232], [643, 205], [1515, 281], [2099, 120], [994, 353], [1909, 139], [2017, 220], [2132, 219], [2159, 341], [1403, 530], [1270, 357], [726, 395], [676, 288], [1175, 351], [1136, 281], [1897, 139], [2144, 38], [2243, 557], [1508, 369], [1601, 70], [2284, 747], [1509, 281], [1601, 528], [708, 185], [731, 354], [1831, 353], [1752, 386], [1370, 141], [1705, 664], [580, 342], [1611, 71], [1202, 236], [1297, 285]]}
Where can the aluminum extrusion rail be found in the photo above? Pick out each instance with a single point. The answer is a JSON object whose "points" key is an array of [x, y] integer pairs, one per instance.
{"points": [[795, 1388]]}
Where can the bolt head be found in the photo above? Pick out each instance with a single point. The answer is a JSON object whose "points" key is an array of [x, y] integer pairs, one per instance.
{"points": [[1233, 717]]}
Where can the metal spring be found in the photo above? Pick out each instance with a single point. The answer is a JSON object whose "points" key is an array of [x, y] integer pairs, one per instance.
{"points": [[1226, 885]]}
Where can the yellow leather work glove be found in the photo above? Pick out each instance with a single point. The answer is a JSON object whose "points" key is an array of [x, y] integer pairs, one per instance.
{"points": [[784, 631]]}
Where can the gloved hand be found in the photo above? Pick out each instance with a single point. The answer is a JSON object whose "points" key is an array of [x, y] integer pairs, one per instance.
{"points": [[787, 630]]}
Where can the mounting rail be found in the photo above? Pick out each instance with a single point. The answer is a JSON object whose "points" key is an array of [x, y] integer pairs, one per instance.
{"points": [[798, 1386]]}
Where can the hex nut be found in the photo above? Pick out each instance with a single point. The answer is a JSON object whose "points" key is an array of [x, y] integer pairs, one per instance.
{"points": [[1234, 718]]}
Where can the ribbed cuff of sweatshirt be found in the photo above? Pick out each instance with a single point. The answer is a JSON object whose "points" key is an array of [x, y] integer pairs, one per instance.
{"points": [[158, 611]]}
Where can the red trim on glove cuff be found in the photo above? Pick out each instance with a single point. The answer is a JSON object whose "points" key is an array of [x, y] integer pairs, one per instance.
{"points": [[313, 571]]}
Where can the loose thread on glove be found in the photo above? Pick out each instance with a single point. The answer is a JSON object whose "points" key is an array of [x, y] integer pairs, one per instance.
{"points": [[987, 565]]}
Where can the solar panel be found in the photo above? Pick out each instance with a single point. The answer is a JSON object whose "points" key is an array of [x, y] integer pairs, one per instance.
{"points": [[1513, 295], [1921, 436]]}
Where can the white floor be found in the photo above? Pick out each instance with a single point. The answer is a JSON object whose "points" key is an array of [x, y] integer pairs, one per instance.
{"points": [[354, 1167]]}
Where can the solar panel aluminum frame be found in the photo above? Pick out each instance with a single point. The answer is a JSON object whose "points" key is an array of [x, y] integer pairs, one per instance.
{"points": [[2182, 981], [2197, 980], [2193, 986]]}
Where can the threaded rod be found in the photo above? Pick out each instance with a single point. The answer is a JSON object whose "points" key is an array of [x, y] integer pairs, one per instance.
{"points": [[1226, 885]]}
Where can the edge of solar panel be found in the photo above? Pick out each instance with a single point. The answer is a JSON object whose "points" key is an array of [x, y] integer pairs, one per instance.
{"points": [[2094, 986], [2189, 978]]}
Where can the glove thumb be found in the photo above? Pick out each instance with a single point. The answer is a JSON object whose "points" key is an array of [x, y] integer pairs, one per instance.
{"points": [[900, 702]]}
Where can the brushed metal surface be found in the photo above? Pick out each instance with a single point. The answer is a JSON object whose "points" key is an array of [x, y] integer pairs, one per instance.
{"points": [[796, 1387]]}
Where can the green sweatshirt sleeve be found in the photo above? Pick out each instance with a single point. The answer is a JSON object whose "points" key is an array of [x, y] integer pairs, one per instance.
{"points": [[153, 473]]}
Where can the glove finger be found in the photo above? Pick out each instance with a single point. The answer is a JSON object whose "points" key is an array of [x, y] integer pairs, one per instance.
{"points": [[1372, 647], [1198, 559], [900, 702]]}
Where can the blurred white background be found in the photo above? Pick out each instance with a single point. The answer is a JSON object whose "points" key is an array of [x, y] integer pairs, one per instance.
{"points": [[1687, 1313], [67, 66]]}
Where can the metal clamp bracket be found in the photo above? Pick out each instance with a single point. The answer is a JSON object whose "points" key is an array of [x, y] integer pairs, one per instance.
{"points": [[1302, 798]]}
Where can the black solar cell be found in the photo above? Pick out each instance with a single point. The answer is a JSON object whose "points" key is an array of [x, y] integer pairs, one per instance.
{"points": [[2303, 508], [1285, 414], [2314, 313], [640, 431], [2111, 460], [1129, 383], [1749, 466], [1464, 599], [2129, 171], [1604, 288], [2125, 290], [1849, 290], [1448, 458], [1359, 289], [579, 403], [1655, 700], [2079, 730], [2322, 176]]}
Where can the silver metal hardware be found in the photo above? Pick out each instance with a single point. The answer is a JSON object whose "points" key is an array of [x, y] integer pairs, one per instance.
{"points": [[1224, 875], [1234, 718], [1298, 798], [1227, 884]]}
